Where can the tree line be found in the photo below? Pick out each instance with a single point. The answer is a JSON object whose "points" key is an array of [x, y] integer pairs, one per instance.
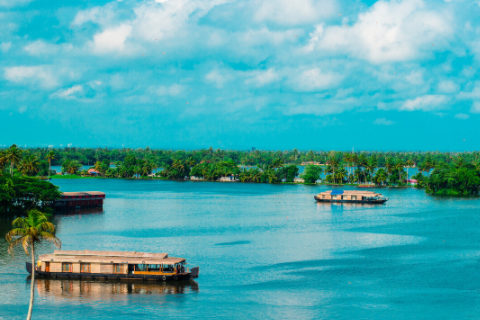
{"points": [[260, 166]]}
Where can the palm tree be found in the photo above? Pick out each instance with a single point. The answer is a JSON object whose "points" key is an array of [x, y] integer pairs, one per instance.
{"points": [[73, 167], [409, 163], [389, 166], [12, 155], [50, 156], [362, 162], [399, 165], [270, 175], [29, 231], [29, 165], [381, 176]]}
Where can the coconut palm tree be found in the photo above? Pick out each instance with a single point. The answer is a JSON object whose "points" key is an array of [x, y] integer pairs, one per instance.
{"points": [[381, 176], [409, 163], [389, 166], [29, 165], [399, 165], [12, 155], [29, 231], [50, 156]]}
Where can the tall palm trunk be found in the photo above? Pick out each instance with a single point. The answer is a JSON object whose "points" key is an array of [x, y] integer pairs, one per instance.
{"points": [[49, 167], [32, 288], [11, 168]]}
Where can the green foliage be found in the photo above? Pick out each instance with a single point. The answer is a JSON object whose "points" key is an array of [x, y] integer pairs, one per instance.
{"points": [[17, 194], [312, 174], [459, 178], [289, 173]]}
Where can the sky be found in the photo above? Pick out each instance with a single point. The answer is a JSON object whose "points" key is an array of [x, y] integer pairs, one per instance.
{"points": [[231, 74]]}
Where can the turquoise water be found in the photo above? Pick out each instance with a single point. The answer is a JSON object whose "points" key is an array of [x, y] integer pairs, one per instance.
{"points": [[264, 251]]}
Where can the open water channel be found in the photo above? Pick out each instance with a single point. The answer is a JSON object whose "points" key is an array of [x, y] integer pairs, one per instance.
{"points": [[265, 252]]}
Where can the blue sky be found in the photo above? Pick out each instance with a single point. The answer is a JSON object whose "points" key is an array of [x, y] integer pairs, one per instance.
{"points": [[270, 74]]}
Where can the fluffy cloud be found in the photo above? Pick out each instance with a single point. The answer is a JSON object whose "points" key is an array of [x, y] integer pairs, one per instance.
{"points": [[42, 76], [41, 47], [112, 40], [286, 12], [14, 3], [475, 107], [173, 90], [5, 46], [389, 31], [425, 103], [68, 93], [462, 116], [383, 122], [262, 78], [447, 86], [314, 80]]}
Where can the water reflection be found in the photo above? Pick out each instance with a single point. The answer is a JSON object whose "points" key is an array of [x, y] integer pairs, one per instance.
{"points": [[96, 210], [111, 290]]}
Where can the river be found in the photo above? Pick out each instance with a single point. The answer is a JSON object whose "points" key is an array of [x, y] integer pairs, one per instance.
{"points": [[264, 251]]}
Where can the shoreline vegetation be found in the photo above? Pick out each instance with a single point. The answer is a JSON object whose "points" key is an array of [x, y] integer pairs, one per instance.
{"points": [[441, 173]]}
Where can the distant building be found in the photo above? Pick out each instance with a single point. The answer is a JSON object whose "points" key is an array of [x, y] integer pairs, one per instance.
{"points": [[227, 179], [93, 172], [299, 180], [413, 182]]}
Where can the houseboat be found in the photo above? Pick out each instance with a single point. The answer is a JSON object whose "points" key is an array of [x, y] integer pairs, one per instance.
{"points": [[76, 200], [350, 196], [112, 265]]}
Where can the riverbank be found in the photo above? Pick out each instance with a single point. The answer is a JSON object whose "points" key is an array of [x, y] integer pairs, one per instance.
{"points": [[72, 177]]}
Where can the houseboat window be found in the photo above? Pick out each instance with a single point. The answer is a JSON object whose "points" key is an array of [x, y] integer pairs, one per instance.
{"points": [[334, 197], [66, 267], [354, 197], [141, 267], [154, 267], [85, 267], [117, 268], [323, 197], [168, 268]]}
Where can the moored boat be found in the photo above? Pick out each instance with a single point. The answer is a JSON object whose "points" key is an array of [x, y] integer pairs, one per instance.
{"points": [[350, 196], [115, 265]]}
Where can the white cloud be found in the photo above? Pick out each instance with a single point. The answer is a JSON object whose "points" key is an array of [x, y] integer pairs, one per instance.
{"points": [[217, 78], [5, 46], [475, 107], [40, 47], [14, 3], [462, 116], [40, 75], [262, 78], [286, 12], [473, 94], [68, 93], [389, 31], [425, 103], [314, 80], [112, 40], [447, 86], [173, 90], [383, 121]]}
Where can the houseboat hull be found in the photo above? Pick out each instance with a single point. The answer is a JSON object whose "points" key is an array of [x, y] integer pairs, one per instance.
{"points": [[113, 276], [380, 201]]}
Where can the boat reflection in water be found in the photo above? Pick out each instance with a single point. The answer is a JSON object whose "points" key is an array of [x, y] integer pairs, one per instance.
{"points": [[109, 290], [86, 211]]}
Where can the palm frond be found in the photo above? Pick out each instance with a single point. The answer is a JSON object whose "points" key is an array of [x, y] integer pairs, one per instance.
{"points": [[14, 243], [17, 232], [51, 238]]}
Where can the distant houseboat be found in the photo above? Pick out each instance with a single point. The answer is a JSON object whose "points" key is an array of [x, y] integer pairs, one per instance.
{"points": [[75, 200], [112, 265], [350, 196]]}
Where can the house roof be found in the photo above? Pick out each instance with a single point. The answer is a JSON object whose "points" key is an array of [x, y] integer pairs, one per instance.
{"points": [[83, 193], [90, 256]]}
